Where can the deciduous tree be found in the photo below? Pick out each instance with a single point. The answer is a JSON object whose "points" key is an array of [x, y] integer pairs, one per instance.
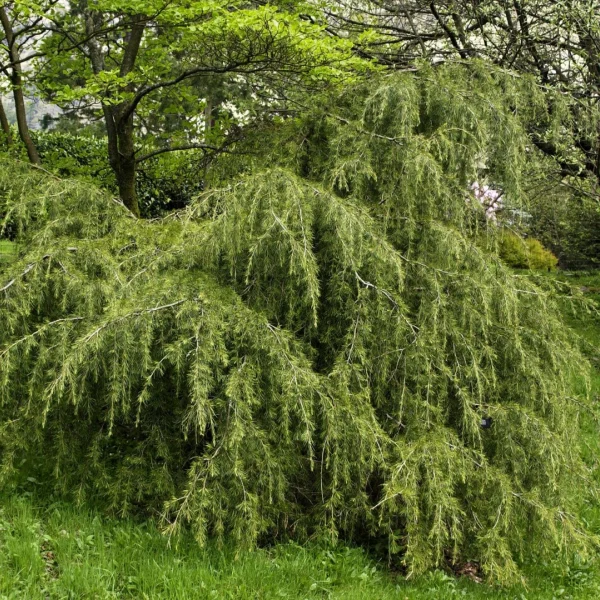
{"points": [[127, 58]]}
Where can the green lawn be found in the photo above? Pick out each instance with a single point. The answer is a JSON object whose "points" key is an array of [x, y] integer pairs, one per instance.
{"points": [[58, 552], [52, 551], [587, 324]]}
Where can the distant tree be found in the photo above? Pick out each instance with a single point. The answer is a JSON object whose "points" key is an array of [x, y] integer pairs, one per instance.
{"points": [[22, 25], [557, 42], [5, 125]]}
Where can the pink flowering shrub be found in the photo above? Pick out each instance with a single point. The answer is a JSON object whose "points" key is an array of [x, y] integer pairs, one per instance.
{"points": [[489, 198]]}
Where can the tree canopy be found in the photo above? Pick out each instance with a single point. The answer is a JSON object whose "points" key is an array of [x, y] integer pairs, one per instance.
{"points": [[558, 43], [132, 64]]}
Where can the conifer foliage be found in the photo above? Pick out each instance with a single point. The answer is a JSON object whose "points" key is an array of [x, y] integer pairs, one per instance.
{"points": [[323, 342]]}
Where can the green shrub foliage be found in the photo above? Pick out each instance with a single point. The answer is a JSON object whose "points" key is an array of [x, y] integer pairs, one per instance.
{"points": [[528, 253], [164, 183], [311, 346], [569, 224]]}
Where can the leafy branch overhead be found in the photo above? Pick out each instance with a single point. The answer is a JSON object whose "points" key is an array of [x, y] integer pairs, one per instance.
{"points": [[312, 345], [130, 57], [125, 61]]}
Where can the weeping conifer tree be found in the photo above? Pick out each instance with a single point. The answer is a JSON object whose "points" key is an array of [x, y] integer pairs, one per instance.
{"points": [[312, 346]]}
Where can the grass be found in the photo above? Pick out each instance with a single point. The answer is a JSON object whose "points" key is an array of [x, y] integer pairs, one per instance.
{"points": [[587, 324], [58, 552], [54, 551]]}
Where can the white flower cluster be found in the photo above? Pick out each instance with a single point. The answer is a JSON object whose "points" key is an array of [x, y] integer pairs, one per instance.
{"points": [[242, 117], [489, 198]]}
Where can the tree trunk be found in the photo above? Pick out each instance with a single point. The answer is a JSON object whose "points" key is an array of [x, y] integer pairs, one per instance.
{"points": [[118, 119], [208, 116], [16, 77], [124, 164], [5, 125], [127, 192], [121, 153], [22, 125]]}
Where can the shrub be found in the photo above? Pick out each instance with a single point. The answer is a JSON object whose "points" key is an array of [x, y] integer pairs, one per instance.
{"points": [[317, 346], [528, 253], [167, 182]]}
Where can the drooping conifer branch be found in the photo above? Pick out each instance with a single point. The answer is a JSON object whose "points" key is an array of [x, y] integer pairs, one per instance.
{"points": [[311, 346]]}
